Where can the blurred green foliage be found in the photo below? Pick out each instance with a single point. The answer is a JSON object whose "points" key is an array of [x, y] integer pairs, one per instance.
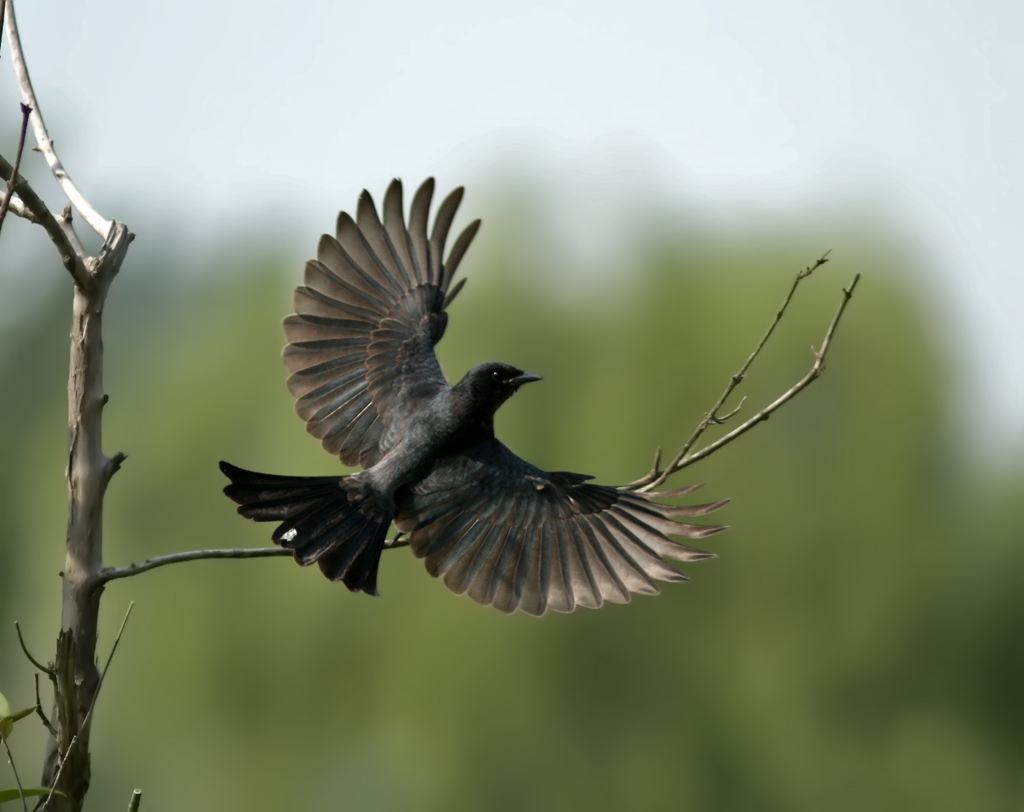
{"points": [[857, 645]]}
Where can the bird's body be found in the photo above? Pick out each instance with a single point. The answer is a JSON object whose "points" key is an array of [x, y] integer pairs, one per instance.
{"points": [[447, 423], [369, 386]]}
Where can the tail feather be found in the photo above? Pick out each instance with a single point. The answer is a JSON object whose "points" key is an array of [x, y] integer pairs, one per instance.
{"points": [[359, 565], [337, 522]]}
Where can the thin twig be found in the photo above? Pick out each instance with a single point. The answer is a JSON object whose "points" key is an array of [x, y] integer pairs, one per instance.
{"points": [[6, 202], [96, 221], [29, 200], [64, 220], [812, 375], [88, 713], [397, 542], [110, 658], [14, 769], [113, 573], [44, 668], [133, 804], [40, 713], [656, 476]]}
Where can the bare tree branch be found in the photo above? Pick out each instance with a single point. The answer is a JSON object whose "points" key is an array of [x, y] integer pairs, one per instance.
{"points": [[6, 202], [113, 573], [108, 574], [684, 459], [96, 221], [21, 210], [133, 804], [27, 200], [74, 674], [89, 471], [655, 476]]}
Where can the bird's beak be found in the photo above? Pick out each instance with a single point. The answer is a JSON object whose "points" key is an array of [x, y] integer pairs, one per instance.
{"points": [[526, 377]]}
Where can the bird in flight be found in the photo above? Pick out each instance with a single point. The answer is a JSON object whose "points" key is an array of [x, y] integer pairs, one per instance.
{"points": [[369, 386]]}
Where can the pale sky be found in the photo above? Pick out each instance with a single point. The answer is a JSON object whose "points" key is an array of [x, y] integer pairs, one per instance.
{"points": [[224, 110]]}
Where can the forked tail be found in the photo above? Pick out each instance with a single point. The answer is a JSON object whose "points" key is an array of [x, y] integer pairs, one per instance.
{"points": [[338, 522]]}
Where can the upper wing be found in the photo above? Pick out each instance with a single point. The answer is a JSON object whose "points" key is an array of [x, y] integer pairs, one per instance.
{"points": [[361, 340], [517, 537]]}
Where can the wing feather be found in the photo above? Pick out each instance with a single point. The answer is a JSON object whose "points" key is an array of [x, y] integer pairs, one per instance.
{"points": [[369, 234], [397, 234], [439, 233], [458, 252], [483, 586], [360, 349], [458, 574], [518, 538], [418, 212], [559, 589], [611, 588]]}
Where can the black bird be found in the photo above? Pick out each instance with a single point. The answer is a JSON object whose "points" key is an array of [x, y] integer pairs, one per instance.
{"points": [[368, 385]]}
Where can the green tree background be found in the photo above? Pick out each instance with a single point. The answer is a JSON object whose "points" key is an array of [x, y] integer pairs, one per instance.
{"points": [[857, 644]]}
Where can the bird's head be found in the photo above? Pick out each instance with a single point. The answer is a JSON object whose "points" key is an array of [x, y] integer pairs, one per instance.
{"points": [[491, 384]]}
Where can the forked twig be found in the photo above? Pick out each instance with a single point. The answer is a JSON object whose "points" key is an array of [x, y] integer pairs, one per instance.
{"points": [[27, 201], [812, 374], [96, 221], [48, 670], [684, 458]]}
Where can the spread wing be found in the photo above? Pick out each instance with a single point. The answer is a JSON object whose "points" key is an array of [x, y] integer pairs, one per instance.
{"points": [[516, 537], [361, 340]]}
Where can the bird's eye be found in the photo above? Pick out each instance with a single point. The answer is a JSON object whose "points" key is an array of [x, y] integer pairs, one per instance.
{"points": [[496, 375]]}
